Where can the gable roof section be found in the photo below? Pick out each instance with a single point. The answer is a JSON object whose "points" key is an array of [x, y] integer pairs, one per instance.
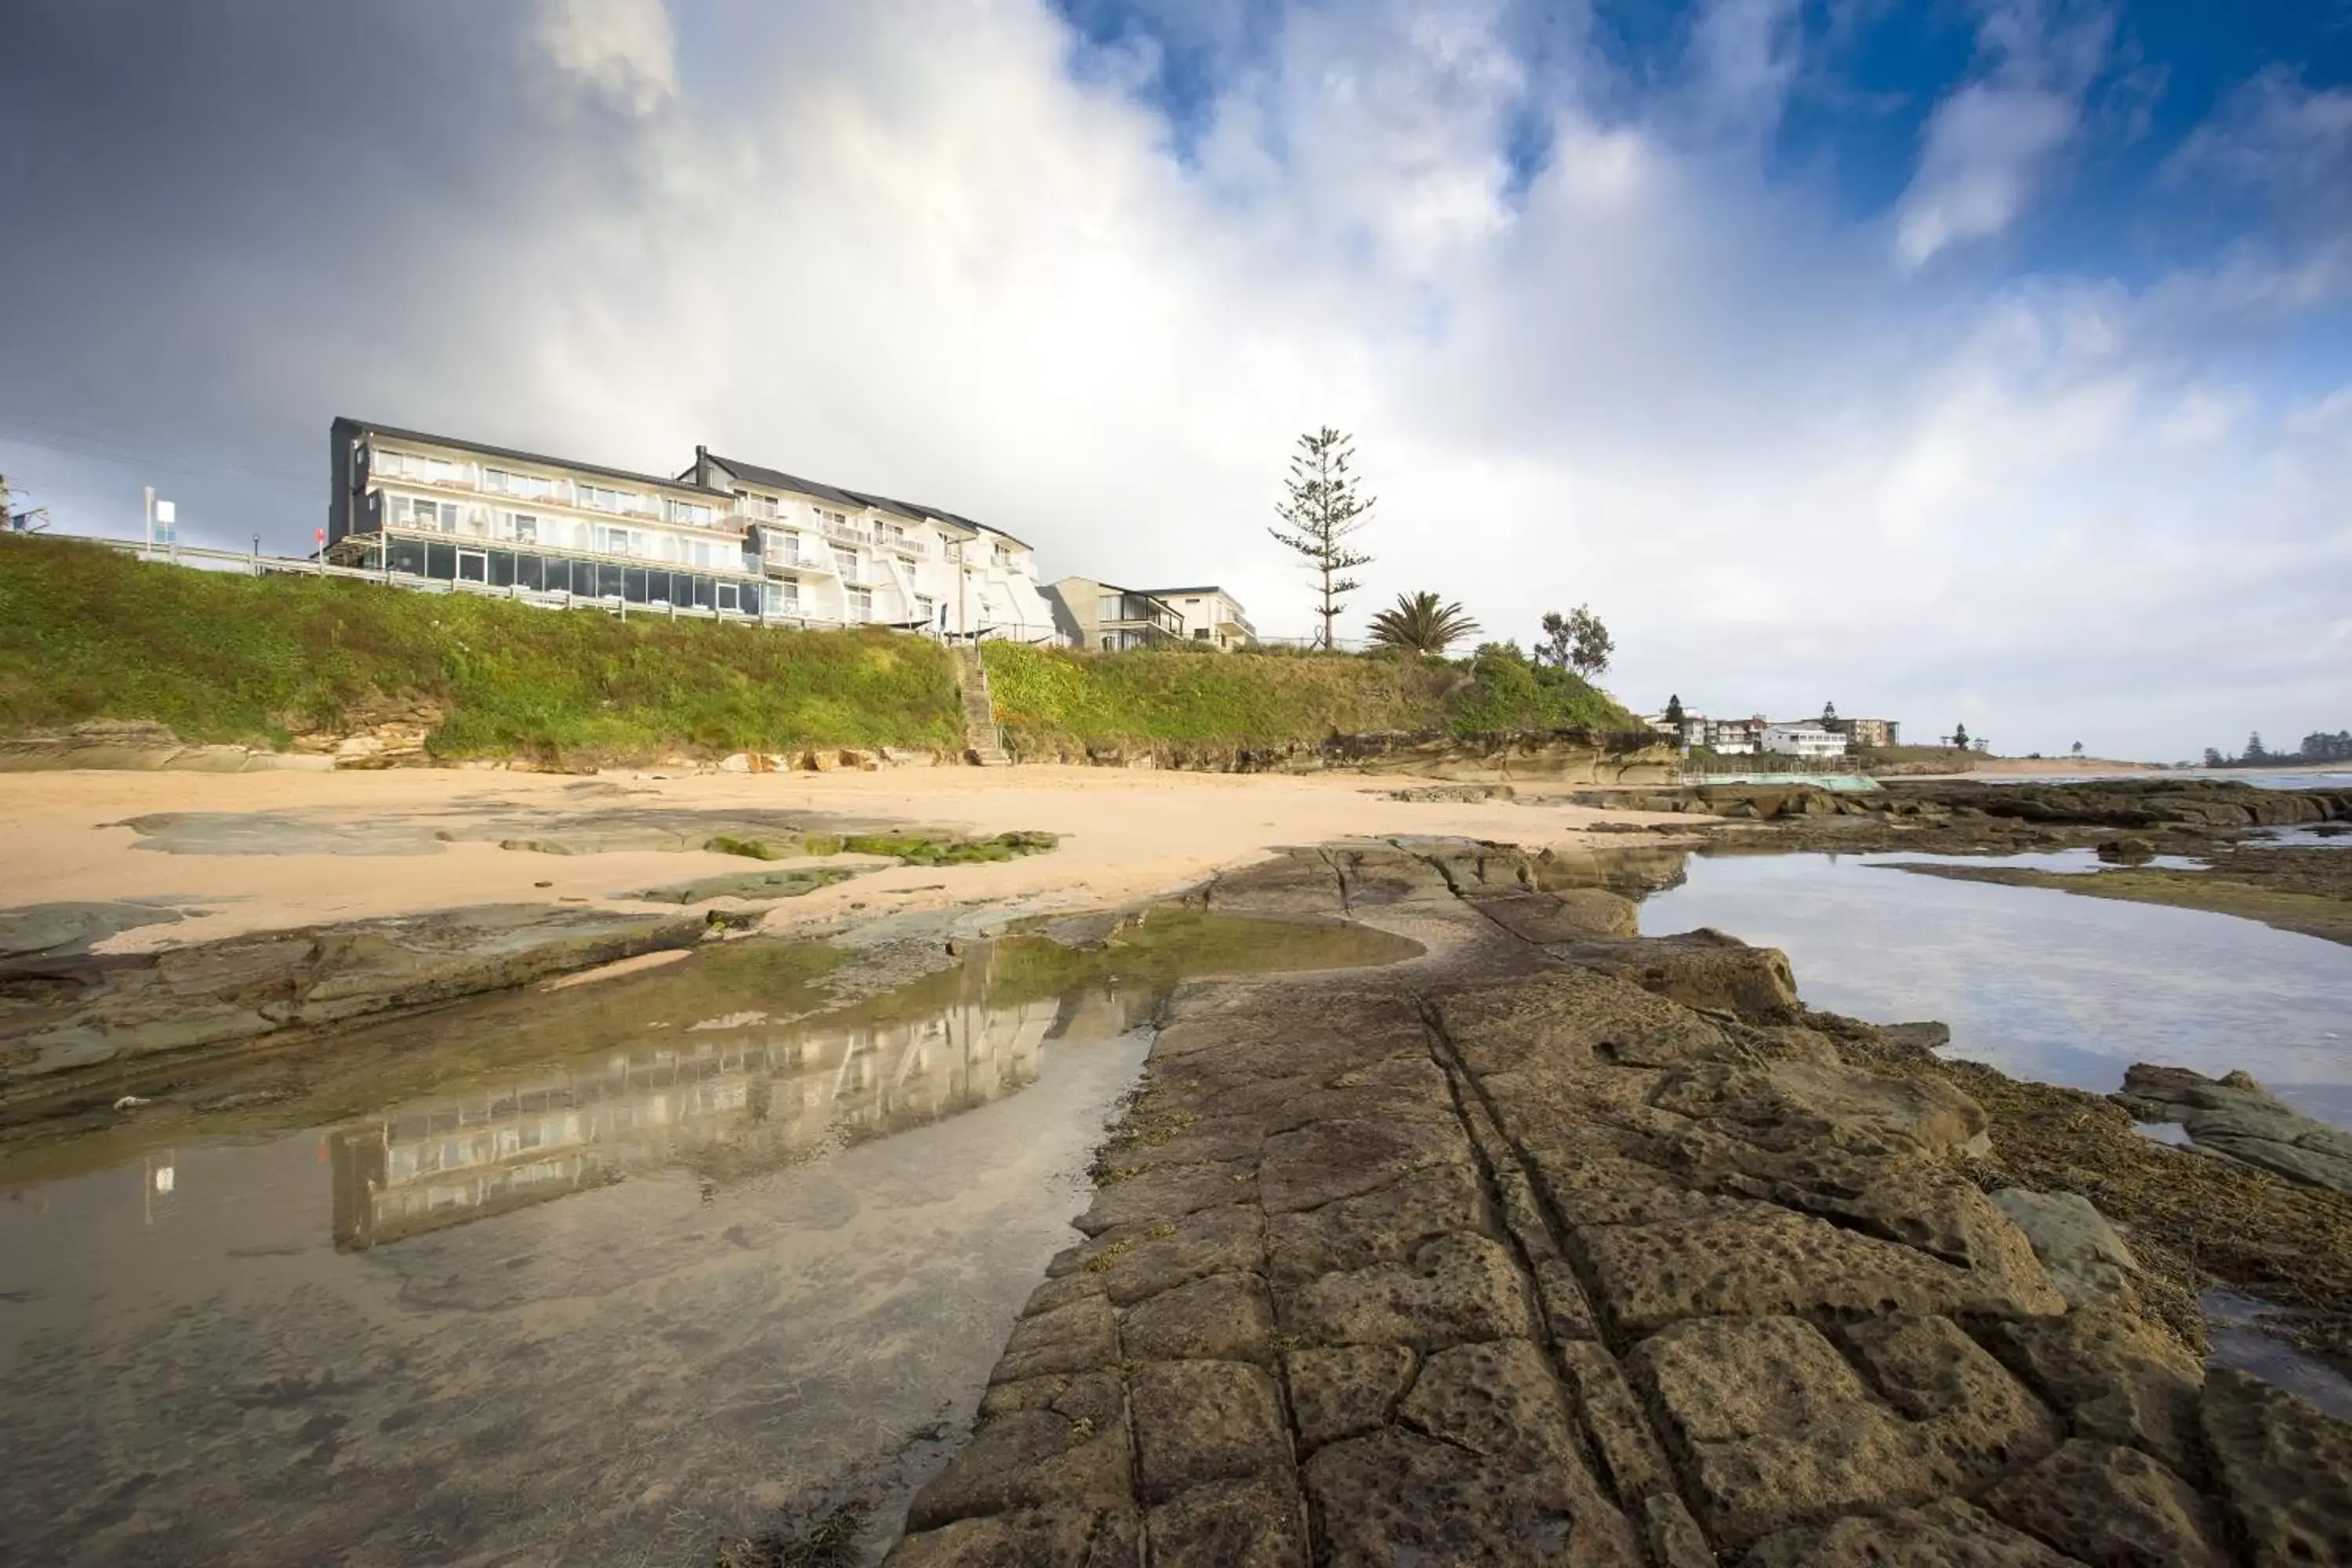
{"points": [[776, 478], [390, 432]]}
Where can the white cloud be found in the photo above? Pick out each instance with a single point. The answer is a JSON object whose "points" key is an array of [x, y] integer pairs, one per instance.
{"points": [[905, 246], [620, 52], [1993, 145]]}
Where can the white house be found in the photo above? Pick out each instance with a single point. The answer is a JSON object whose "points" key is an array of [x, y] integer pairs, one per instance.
{"points": [[851, 556], [1208, 615], [1804, 738]]}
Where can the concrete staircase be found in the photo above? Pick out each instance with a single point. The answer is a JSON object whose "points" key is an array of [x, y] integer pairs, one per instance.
{"points": [[981, 744]]}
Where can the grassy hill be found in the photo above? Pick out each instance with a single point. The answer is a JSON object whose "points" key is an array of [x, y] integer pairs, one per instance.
{"points": [[88, 633], [1054, 699]]}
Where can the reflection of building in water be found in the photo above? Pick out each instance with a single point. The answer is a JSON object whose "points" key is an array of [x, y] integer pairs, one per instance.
{"points": [[745, 1098]]}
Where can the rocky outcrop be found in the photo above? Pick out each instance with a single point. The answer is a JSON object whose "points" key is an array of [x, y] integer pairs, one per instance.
{"points": [[115, 745], [1520, 1258], [1573, 756], [2235, 1117], [1509, 1257], [63, 1012]]}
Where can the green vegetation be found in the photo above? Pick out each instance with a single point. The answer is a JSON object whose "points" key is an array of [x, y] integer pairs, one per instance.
{"points": [[913, 849], [1421, 623], [1057, 699], [87, 633], [1509, 691]]}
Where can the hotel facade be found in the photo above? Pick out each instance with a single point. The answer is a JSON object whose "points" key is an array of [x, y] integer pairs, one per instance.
{"points": [[726, 538]]}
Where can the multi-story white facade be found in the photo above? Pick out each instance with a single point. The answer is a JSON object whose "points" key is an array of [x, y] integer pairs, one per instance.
{"points": [[1807, 739], [437, 507], [858, 558], [727, 537], [1208, 615]]}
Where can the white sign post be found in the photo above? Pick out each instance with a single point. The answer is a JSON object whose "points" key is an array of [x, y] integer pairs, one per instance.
{"points": [[166, 516]]}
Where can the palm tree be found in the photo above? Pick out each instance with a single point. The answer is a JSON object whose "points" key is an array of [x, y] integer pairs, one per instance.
{"points": [[1418, 623]]}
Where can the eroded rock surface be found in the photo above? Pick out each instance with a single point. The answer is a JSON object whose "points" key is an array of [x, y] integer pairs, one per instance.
{"points": [[2235, 1116], [1517, 1257], [75, 1011]]}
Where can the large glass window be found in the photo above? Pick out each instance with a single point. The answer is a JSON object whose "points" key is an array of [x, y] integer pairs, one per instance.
{"points": [[728, 597], [846, 561], [606, 497], [693, 513], [424, 514], [441, 562], [531, 572], [861, 604]]}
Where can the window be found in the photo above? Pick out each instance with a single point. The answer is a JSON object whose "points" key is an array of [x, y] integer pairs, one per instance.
{"points": [[1107, 607], [762, 507], [726, 596], [605, 497], [614, 542], [506, 482], [522, 527], [1201, 634], [430, 516], [861, 604], [693, 513], [847, 560], [1191, 600], [1003, 556], [783, 598]]}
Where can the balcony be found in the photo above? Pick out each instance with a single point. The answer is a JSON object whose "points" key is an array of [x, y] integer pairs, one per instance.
{"points": [[849, 532]]}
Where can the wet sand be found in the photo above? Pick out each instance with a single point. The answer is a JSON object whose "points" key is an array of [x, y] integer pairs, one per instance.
{"points": [[1125, 836]]}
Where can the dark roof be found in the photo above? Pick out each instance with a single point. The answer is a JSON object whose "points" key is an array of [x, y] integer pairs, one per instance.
{"points": [[514, 455], [781, 480], [784, 481], [884, 503], [1167, 591]]}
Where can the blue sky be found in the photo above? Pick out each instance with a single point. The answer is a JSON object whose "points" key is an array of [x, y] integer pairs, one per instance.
{"points": [[1983, 359]]}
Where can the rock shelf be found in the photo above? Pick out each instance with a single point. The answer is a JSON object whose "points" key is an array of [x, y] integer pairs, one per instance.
{"points": [[1560, 1246]]}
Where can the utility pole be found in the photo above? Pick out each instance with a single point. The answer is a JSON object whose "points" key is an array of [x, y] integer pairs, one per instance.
{"points": [[148, 491]]}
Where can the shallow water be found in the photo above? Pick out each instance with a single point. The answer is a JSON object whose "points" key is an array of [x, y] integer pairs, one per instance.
{"points": [[601, 1276], [2236, 1337], [2041, 983]]}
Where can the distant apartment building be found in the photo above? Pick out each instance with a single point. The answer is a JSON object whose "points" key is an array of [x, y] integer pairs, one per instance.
{"points": [[1105, 617], [1725, 737], [1208, 615], [855, 557], [1866, 732], [729, 537], [1804, 738]]}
